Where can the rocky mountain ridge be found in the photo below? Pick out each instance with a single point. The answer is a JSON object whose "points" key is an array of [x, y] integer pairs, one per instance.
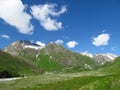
{"points": [[101, 58], [55, 55]]}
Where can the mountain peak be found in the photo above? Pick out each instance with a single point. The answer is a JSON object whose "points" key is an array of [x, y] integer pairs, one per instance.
{"points": [[54, 47], [110, 56], [54, 44], [101, 58], [18, 46], [23, 41]]}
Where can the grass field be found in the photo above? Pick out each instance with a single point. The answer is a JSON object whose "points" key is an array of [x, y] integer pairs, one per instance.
{"points": [[60, 81]]}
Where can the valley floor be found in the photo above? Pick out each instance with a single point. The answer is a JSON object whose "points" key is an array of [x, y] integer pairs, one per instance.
{"points": [[64, 81]]}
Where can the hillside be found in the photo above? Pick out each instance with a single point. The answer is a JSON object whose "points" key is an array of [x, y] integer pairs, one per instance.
{"points": [[24, 49], [102, 59], [11, 66], [70, 61], [52, 57], [112, 67]]}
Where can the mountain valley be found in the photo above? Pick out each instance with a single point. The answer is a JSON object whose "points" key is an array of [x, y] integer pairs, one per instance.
{"points": [[53, 67]]}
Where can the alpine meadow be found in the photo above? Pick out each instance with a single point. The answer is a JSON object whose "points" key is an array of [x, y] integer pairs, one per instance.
{"points": [[59, 45]]}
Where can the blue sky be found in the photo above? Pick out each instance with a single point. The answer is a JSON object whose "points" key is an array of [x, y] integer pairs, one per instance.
{"points": [[82, 25]]}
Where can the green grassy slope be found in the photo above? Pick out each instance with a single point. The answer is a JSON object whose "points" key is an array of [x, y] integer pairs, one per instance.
{"points": [[71, 61], [47, 64], [15, 66], [110, 80], [113, 67], [90, 80]]}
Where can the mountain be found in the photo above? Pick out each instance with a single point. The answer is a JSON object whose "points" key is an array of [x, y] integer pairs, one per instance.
{"points": [[11, 66], [101, 58], [113, 67], [104, 58], [65, 58], [52, 57], [18, 47], [24, 49]]}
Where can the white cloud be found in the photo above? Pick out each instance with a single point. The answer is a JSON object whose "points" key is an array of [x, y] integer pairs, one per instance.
{"points": [[45, 14], [86, 53], [71, 44], [40, 43], [101, 39], [59, 41], [13, 13], [5, 36]]}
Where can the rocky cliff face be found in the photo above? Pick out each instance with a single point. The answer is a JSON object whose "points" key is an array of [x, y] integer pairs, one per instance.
{"points": [[104, 58], [22, 47]]}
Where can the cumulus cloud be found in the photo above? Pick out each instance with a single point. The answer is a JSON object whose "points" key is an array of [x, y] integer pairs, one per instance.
{"points": [[59, 41], [13, 13], [5, 36], [71, 44], [40, 43], [46, 14], [101, 39]]}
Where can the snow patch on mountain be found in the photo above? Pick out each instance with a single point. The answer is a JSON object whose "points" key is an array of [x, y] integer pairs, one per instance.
{"points": [[111, 56], [108, 55], [100, 58], [33, 47]]}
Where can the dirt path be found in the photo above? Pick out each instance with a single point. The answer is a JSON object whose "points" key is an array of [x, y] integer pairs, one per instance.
{"points": [[9, 79]]}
